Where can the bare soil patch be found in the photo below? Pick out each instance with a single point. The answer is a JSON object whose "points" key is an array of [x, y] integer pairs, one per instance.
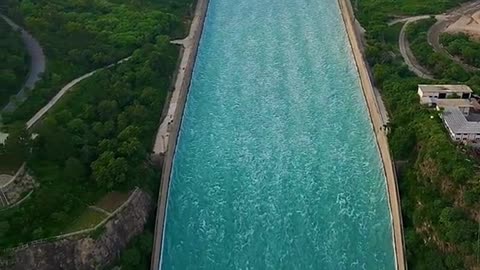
{"points": [[112, 201], [468, 24]]}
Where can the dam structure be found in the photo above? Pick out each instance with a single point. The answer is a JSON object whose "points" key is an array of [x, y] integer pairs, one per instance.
{"points": [[276, 164]]}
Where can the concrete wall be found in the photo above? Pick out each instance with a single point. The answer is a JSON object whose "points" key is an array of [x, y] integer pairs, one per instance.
{"points": [[84, 252], [381, 138], [189, 56]]}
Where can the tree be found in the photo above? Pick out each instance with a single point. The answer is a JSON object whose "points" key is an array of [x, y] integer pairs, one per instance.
{"points": [[107, 109], [4, 227], [132, 150], [108, 170], [74, 170], [131, 258], [129, 132]]}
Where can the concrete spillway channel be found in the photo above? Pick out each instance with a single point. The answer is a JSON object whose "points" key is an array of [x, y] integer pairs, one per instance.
{"points": [[258, 69], [37, 64]]}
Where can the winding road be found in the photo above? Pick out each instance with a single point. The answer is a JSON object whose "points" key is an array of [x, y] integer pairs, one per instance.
{"points": [[442, 24], [404, 46], [63, 91], [443, 21], [37, 67], [37, 64]]}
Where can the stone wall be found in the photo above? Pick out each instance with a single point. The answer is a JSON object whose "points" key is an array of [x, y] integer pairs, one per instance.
{"points": [[20, 184], [85, 252]]}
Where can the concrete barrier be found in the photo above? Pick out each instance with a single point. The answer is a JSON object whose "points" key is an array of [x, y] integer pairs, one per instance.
{"points": [[381, 137], [185, 71]]}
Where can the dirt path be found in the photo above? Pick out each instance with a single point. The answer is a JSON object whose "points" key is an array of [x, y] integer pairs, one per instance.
{"points": [[442, 24], [405, 51], [63, 91], [381, 138], [37, 65]]}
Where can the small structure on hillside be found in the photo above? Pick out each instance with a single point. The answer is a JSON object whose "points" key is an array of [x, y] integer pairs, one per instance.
{"points": [[460, 113], [3, 137], [430, 94]]}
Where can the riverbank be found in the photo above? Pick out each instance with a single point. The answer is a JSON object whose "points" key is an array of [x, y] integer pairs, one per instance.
{"points": [[382, 142], [174, 116]]}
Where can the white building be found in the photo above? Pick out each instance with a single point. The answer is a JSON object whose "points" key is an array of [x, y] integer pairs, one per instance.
{"points": [[461, 127], [431, 94], [464, 105], [459, 109]]}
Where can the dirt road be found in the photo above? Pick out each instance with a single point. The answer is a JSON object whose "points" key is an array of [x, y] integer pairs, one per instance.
{"points": [[405, 51], [442, 24]]}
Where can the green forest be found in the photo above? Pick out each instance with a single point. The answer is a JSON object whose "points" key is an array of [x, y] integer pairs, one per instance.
{"points": [[95, 141], [13, 62], [438, 182], [98, 138], [462, 46], [79, 36]]}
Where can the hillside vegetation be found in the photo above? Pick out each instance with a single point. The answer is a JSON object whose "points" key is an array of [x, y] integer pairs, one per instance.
{"points": [[98, 138], [95, 141], [440, 64], [462, 46], [79, 36], [439, 185]]}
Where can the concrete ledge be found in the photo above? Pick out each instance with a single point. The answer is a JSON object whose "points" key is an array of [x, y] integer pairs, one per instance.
{"points": [[182, 85], [377, 123]]}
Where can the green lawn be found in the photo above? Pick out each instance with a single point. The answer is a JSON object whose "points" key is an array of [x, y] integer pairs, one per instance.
{"points": [[112, 201], [88, 219]]}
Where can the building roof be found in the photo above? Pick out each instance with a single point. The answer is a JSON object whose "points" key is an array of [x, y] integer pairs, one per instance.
{"points": [[453, 102], [445, 88], [457, 122]]}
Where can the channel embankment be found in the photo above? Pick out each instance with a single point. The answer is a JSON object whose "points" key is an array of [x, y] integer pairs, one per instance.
{"points": [[379, 130], [174, 118]]}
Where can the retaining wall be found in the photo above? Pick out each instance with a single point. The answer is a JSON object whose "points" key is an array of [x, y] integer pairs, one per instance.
{"points": [[77, 251]]}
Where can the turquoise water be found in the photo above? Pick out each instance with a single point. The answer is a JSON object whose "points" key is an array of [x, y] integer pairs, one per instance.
{"points": [[276, 165]]}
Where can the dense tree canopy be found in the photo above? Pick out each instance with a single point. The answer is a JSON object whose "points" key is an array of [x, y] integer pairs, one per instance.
{"points": [[79, 36], [96, 140], [464, 47]]}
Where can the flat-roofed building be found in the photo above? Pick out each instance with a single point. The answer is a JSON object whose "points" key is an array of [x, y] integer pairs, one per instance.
{"points": [[464, 105], [430, 94], [461, 127]]}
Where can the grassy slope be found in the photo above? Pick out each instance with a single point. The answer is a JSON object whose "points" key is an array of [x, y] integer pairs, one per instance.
{"points": [[64, 154]]}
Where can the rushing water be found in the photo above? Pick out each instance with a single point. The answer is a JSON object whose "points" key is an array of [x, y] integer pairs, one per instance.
{"points": [[276, 165]]}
